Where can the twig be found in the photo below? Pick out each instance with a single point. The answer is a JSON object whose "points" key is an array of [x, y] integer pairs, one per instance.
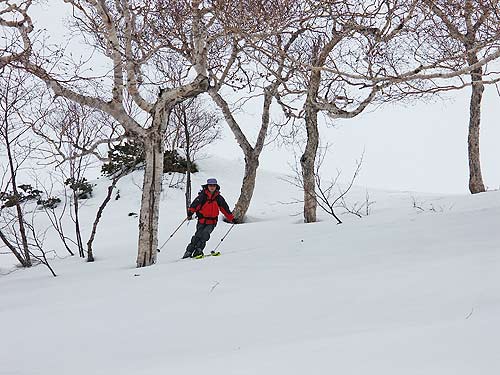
{"points": [[468, 316], [214, 286]]}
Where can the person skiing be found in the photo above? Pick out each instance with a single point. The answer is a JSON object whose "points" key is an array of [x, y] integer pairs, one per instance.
{"points": [[206, 205]]}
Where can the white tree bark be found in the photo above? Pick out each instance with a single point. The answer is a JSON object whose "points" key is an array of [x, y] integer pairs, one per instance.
{"points": [[14, 16], [150, 202]]}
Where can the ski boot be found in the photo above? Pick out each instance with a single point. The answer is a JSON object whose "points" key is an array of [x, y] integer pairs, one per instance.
{"points": [[197, 254], [187, 254]]}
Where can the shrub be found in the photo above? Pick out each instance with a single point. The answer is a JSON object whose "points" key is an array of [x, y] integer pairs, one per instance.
{"points": [[173, 162], [130, 156], [27, 193], [81, 187], [50, 202]]}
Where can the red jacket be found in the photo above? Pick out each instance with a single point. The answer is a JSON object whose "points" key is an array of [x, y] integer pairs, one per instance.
{"points": [[207, 206]]}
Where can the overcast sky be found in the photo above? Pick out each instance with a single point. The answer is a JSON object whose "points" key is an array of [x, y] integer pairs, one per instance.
{"points": [[419, 147]]}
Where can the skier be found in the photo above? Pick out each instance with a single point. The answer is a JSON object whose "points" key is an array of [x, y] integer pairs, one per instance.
{"points": [[206, 206]]}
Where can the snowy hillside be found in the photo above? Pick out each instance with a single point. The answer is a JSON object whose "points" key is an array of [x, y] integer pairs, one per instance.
{"points": [[402, 291]]}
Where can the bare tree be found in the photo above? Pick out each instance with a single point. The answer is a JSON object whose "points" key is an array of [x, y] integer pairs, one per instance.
{"points": [[13, 249], [9, 235], [342, 40], [193, 118], [470, 29], [140, 40], [37, 242], [16, 232], [56, 214], [114, 180], [257, 22], [15, 95], [15, 25], [72, 134], [192, 128], [352, 55], [331, 196], [251, 153]]}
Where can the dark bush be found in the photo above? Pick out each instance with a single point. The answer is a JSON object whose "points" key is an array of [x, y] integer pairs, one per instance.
{"points": [[173, 162], [130, 157], [50, 202], [27, 193], [81, 187], [10, 200]]}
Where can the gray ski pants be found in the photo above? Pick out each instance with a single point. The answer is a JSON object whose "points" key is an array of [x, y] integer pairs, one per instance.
{"points": [[201, 236]]}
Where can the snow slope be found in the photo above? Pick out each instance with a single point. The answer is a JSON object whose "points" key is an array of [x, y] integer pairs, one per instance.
{"points": [[402, 291]]}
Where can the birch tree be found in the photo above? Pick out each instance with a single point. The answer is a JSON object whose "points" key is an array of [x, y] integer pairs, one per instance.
{"points": [[470, 29], [252, 22], [15, 25], [353, 55], [333, 38], [139, 41]]}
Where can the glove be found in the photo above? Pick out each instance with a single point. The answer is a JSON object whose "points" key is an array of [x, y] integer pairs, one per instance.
{"points": [[190, 216], [234, 221]]}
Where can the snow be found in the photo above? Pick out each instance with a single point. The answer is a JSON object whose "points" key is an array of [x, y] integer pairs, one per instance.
{"points": [[401, 291]]}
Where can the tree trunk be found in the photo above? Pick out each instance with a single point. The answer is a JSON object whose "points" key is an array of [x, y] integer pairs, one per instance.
{"points": [[252, 154], [90, 251], [188, 185], [78, 233], [20, 216], [307, 161], [150, 203], [22, 231], [13, 249], [247, 187], [188, 160], [476, 184]]}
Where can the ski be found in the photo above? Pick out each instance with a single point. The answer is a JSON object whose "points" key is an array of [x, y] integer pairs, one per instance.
{"points": [[212, 254]]}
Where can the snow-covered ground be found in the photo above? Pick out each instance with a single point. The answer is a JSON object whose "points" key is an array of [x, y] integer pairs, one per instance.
{"points": [[401, 291]]}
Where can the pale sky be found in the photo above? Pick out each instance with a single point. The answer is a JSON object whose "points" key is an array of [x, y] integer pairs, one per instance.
{"points": [[420, 148]]}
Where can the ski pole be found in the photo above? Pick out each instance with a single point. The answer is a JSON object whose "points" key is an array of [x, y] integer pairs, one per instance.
{"points": [[222, 239], [175, 231]]}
